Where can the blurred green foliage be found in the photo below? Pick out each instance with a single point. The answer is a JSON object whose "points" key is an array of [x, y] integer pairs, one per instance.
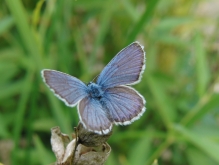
{"points": [[79, 37]]}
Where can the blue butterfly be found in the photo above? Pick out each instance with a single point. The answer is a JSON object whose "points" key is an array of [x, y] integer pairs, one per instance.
{"points": [[108, 101]]}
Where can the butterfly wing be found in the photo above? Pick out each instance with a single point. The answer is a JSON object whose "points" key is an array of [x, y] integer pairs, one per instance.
{"points": [[125, 68], [67, 88], [93, 116], [124, 104]]}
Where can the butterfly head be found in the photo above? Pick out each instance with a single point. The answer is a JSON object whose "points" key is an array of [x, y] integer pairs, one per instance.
{"points": [[95, 91]]}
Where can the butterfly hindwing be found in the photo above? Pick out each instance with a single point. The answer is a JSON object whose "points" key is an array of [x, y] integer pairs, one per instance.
{"points": [[67, 88], [93, 117], [125, 68], [124, 104]]}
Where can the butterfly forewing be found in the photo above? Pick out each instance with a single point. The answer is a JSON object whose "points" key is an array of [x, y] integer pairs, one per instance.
{"points": [[93, 116], [67, 88], [124, 104], [125, 68]]}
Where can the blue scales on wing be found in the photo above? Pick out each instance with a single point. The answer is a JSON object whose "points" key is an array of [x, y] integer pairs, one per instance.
{"points": [[124, 104], [125, 68], [67, 88], [93, 116]]}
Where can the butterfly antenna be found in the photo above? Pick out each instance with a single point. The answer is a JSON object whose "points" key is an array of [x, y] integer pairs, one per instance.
{"points": [[95, 78]]}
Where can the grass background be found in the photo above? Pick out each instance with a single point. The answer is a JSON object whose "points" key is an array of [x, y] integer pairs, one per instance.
{"points": [[79, 37]]}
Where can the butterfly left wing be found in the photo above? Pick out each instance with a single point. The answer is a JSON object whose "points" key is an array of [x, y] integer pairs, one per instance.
{"points": [[124, 104], [125, 68], [67, 88], [93, 116]]}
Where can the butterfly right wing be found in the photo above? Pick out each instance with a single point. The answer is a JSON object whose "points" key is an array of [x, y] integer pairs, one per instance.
{"points": [[125, 68], [67, 88], [124, 104]]}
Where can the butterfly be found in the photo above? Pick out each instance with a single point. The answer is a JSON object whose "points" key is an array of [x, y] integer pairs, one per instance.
{"points": [[110, 100]]}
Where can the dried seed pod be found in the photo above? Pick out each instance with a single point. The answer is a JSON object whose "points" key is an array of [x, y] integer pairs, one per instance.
{"points": [[77, 154], [91, 156], [57, 143], [91, 139]]}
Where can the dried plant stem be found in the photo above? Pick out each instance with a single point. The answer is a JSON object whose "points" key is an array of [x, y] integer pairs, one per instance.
{"points": [[87, 148]]}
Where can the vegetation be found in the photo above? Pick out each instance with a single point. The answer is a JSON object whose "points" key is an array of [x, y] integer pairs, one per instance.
{"points": [[79, 37]]}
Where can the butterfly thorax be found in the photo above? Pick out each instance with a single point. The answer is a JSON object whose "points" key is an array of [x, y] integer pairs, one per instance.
{"points": [[95, 91]]}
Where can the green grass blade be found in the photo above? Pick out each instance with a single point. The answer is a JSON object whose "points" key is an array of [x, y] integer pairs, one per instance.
{"points": [[196, 109], [201, 65], [170, 23], [21, 20], [166, 111], [142, 146], [10, 90], [211, 103], [195, 157], [145, 18], [129, 7], [4, 133], [105, 22], [20, 112], [156, 153], [45, 157], [58, 113], [5, 24], [211, 148]]}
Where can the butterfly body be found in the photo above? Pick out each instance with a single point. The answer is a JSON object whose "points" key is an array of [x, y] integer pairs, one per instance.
{"points": [[111, 100], [95, 91]]}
